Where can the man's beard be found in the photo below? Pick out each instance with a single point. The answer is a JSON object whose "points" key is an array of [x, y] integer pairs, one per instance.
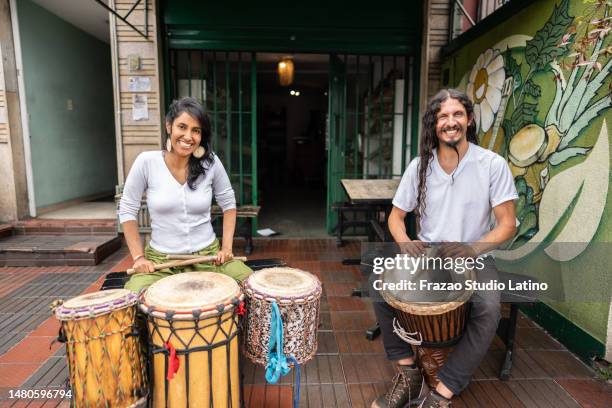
{"points": [[453, 143]]}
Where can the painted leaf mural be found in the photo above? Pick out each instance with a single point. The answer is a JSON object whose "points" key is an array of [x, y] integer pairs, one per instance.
{"points": [[543, 48]]}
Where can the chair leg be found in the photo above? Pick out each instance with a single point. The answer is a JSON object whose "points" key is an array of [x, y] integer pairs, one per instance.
{"points": [[248, 250], [373, 332], [510, 337], [339, 229]]}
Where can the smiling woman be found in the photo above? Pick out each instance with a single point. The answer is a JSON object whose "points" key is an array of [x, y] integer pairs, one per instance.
{"points": [[180, 183]]}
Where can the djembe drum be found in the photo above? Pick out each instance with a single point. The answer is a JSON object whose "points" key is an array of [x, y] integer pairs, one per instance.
{"points": [[105, 360], [433, 323], [298, 296], [192, 319]]}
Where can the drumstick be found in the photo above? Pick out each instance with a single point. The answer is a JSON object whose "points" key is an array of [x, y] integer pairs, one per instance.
{"points": [[184, 262], [177, 256]]}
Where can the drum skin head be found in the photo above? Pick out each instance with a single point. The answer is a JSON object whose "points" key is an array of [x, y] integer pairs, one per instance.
{"points": [[188, 291], [96, 303], [283, 282]]}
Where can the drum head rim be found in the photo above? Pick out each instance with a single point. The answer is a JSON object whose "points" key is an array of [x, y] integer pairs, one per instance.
{"points": [[426, 308], [162, 313], [314, 292], [65, 313], [164, 305]]}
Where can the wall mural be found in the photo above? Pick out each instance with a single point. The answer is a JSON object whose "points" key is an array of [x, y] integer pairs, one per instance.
{"points": [[534, 98]]}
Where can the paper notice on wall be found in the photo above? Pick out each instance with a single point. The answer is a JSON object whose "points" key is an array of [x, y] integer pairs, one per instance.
{"points": [[139, 84], [140, 107]]}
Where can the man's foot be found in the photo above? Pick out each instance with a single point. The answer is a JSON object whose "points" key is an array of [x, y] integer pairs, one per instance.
{"points": [[408, 389], [435, 400]]}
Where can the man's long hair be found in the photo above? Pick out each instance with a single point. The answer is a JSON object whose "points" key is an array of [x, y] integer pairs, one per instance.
{"points": [[429, 139]]}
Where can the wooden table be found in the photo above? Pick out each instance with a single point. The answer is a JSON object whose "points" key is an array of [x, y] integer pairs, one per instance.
{"points": [[374, 191]]}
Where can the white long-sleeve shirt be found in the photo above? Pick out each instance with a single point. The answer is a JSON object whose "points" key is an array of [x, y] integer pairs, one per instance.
{"points": [[180, 216]]}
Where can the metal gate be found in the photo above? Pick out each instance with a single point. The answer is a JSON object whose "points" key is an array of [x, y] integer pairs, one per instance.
{"points": [[226, 84], [371, 120]]}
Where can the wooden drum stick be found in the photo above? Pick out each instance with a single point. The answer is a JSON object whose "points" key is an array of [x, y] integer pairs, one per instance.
{"points": [[189, 256], [183, 262]]}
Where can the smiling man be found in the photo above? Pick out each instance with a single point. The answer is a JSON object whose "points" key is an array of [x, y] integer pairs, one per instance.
{"points": [[453, 187]]}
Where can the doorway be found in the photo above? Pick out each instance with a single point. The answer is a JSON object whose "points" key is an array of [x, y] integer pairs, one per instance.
{"points": [[291, 143]]}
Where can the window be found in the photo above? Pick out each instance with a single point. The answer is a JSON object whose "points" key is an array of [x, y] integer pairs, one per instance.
{"points": [[467, 13]]}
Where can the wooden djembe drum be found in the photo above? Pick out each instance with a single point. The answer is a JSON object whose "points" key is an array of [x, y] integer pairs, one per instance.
{"points": [[432, 323]]}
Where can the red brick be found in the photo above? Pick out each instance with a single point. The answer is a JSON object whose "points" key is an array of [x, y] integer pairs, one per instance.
{"points": [[123, 265], [49, 327], [31, 350], [13, 375]]}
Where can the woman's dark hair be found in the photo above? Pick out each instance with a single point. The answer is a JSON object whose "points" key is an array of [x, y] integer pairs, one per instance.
{"points": [[429, 139], [191, 106]]}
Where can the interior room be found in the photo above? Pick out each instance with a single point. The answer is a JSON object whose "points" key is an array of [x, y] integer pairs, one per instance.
{"points": [[291, 131]]}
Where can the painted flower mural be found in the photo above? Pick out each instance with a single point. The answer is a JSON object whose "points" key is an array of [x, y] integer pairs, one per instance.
{"points": [[485, 87]]}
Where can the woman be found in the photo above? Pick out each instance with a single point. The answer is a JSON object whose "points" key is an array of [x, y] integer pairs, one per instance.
{"points": [[180, 183]]}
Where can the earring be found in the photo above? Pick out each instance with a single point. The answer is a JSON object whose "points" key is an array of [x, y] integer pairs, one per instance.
{"points": [[169, 144], [199, 152]]}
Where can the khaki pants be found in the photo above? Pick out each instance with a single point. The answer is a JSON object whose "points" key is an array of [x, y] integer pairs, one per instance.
{"points": [[234, 269]]}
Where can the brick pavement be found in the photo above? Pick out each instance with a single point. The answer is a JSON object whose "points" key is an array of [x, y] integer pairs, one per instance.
{"points": [[347, 370]]}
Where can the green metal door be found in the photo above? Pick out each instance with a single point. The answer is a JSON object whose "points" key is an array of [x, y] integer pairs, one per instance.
{"points": [[336, 144], [371, 120], [226, 83]]}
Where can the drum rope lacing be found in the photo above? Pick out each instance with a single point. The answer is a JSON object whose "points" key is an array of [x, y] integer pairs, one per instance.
{"points": [[277, 361], [183, 347], [408, 337], [78, 371]]}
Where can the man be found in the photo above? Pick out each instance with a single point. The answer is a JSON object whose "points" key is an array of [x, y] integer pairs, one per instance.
{"points": [[452, 187]]}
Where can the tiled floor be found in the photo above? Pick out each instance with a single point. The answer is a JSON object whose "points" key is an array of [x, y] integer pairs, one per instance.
{"points": [[348, 370]]}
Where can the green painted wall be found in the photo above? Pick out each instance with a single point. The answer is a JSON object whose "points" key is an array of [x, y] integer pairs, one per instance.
{"points": [[338, 26], [555, 57], [73, 151]]}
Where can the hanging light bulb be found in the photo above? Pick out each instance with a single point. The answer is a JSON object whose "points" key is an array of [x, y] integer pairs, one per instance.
{"points": [[285, 71]]}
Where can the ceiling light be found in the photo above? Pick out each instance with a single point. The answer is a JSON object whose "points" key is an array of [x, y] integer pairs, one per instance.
{"points": [[285, 71]]}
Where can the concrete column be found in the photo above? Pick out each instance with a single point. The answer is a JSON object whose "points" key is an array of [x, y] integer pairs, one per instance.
{"points": [[436, 26], [13, 185], [135, 58]]}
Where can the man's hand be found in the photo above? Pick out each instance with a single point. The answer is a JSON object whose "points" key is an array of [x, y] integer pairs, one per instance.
{"points": [[456, 250], [413, 248]]}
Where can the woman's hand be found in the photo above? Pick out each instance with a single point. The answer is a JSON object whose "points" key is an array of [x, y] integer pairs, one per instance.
{"points": [[143, 265], [223, 256]]}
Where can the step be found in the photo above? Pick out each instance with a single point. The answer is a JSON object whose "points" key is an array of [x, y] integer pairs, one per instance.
{"points": [[37, 226], [6, 230], [57, 250]]}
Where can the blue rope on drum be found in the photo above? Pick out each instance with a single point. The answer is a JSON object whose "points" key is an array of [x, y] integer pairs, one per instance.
{"points": [[278, 363]]}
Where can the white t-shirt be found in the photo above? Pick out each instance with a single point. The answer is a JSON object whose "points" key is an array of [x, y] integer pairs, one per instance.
{"points": [[458, 208], [180, 216]]}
